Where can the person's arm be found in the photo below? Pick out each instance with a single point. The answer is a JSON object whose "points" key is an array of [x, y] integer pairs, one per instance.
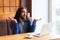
{"points": [[36, 19], [13, 26], [32, 24], [12, 19]]}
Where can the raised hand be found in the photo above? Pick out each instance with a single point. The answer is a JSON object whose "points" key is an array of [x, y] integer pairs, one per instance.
{"points": [[12, 19], [36, 19]]}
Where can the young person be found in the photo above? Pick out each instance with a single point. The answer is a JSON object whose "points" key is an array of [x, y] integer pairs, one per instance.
{"points": [[21, 23]]}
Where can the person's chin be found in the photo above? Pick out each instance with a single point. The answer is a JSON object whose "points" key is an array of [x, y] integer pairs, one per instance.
{"points": [[24, 18]]}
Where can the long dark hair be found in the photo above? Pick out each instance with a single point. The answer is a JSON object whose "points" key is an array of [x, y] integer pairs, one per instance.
{"points": [[18, 13]]}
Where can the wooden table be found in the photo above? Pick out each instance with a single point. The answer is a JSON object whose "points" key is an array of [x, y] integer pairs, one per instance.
{"points": [[22, 37]]}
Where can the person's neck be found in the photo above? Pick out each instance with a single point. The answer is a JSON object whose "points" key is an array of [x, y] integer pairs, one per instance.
{"points": [[20, 19]]}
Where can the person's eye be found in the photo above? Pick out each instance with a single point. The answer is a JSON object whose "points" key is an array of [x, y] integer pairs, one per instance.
{"points": [[24, 12]]}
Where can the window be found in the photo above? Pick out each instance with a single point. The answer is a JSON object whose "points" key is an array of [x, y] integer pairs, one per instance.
{"points": [[40, 10], [56, 16]]}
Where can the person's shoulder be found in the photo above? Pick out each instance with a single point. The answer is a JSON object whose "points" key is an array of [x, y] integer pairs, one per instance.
{"points": [[30, 18]]}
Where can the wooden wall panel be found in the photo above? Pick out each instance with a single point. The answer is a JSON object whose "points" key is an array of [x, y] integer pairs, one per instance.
{"points": [[18, 3], [5, 16], [1, 9], [12, 2], [1, 2], [13, 9], [6, 2], [8, 8]]}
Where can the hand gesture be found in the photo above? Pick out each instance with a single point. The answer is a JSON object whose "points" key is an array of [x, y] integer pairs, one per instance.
{"points": [[12, 19]]}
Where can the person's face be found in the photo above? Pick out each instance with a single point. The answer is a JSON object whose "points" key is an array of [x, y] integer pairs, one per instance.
{"points": [[23, 15]]}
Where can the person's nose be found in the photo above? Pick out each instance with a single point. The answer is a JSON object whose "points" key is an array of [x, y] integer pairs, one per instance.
{"points": [[25, 13]]}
